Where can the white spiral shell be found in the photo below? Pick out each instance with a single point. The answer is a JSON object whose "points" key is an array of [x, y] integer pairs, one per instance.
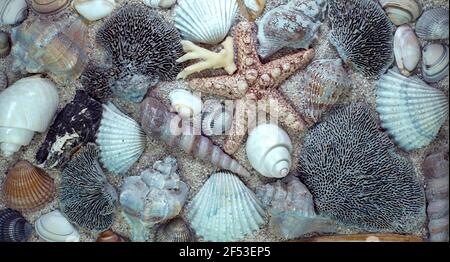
{"points": [[54, 227], [205, 21], [406, 49], [435, 62], [225, 209], [94, 10], [121, 140], [410, 110], [185, 103], [13, 12], [269, 150], [26, 107]]}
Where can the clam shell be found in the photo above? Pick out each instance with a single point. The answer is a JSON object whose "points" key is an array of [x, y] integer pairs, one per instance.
{"points": [[111, 236], [410, 110], [48, 7], [94, 10], [54, 227], [185, 103], [5, 44], [217, 121], [406, 49], [175, 230], [401, 11], [121, 140], [27, 188], [225, 209], [13, 226], [435, 62], [13, 12], [160, 3], [205, 21], [251, 9], [433, 24]]}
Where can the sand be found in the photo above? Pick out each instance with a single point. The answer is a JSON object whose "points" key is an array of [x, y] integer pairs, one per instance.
{"points": [[195, 172]]}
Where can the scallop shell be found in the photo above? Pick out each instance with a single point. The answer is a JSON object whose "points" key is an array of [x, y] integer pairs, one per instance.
{"points": [[13, 226], [216, 121], [410, 110], [406, 49], [160, 3], [433, 24], [48, 7], [175, 230], [111, 236], [121, 140], [5, 44], [13, 12], [251, 9], [401, 11], [225, 209], [27, 188], [269, 150], [54, 227], [94, 10], [435, 62], [205, 21], [185, 103]]}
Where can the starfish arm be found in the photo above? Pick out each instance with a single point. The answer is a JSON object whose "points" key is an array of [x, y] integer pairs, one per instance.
{"points": [[232, 87], [247, 53]]}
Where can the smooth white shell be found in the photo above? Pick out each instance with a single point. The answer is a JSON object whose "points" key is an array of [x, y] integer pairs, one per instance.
{"points": [[94, 10], [121, 140], [406, 49], [205, 21], [54, 227], [160, 3], [269, 150], [433, 24], [26, 107], [13, 12], [185, 103], [401, 11], [225, 209], [411, 111], [435, 62]]}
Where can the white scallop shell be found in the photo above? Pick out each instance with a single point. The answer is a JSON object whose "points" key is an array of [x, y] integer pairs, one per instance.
{"points": [[94, 10], [13, 12], [160, 3], [406, 49], [217, 121], [205, 21], [120, 138], [269, 150], [410, 110], [185, 103], [435, 62], [225, 209], [433, 24], [54, 227], [401, 11], [26, 107]]}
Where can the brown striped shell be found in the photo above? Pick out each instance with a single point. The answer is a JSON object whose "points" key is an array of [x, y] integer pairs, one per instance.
{"points": [[111, 236], [48, 7], [27, 188]]}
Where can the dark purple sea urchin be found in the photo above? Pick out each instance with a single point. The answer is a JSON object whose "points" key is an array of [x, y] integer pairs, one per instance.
{"points": [[357, 178]]}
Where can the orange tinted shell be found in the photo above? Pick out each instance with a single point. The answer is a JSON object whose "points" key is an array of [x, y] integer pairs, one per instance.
{"points": [[111, 236]]}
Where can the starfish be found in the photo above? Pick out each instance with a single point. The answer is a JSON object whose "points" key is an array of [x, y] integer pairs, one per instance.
{"points": [[255, 83]]}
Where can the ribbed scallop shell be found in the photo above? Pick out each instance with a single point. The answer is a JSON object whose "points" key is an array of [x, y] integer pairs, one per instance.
{"points": [[175, 230], [121, 140], [401, 11], [54, 227], [225, 209], [48, 7], [435, 62], [27, 188], [433, 24], [410, 110], [13, 226], [13, 12], [5, 44], [205, 21]]}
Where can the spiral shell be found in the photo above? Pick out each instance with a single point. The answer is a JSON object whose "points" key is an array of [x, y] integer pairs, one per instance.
{"points": [[185, 103], [13, 226], [26, 107], [111, 236], [205, 21], [269, 150], [27, 188], [225, 209], [5, 44], [406, 49], [94, 10], [251, 9], [217, 120], [435, 62], [13, 12], [401, 11], [433, 24], [54, 227], [121, 140], [175, 230], [48, 7], [410, 110]]}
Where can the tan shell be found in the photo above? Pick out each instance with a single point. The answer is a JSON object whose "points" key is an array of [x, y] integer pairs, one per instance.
{"points": [[27, 188], [48, 7], [111, 236]]}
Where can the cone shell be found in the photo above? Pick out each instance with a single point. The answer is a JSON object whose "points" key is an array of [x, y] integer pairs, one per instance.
{"points": [[54, 227], [48, 7], [121, 140], [410, 110], [185, 103], [406, 49], [5, 44], [435, 62], [401, 11], [225, 209], [205, 21], [433, 24], [111, 236], [27, 188], [13, 226], [175, 230], [13, 12], [251, 9]]}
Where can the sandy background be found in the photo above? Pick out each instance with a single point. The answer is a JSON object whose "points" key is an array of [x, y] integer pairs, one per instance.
{"points": [[194, 172]]}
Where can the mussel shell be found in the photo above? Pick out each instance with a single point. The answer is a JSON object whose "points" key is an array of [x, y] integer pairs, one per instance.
{"points": [[433, 24], [401, 11], [435, 62], [48, 7], [13, 226]]}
